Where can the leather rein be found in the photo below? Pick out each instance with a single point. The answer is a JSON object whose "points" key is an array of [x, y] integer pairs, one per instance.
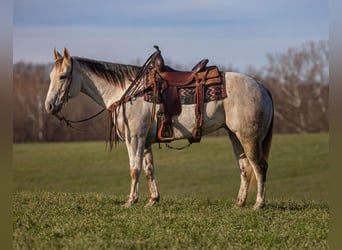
{"points": [[69, 123]]}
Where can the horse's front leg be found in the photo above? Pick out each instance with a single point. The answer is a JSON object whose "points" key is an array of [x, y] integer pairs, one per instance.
{"points": [[135, 147], [149, 172]]}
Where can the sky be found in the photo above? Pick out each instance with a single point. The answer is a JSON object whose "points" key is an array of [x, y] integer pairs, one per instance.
{"points": [[235, 33]]}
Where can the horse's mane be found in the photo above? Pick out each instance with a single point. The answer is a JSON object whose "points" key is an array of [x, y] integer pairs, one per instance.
{"points": [[114, 73]]}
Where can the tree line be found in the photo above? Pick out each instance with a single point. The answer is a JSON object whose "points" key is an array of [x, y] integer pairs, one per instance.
{"points": [[298, 79]]}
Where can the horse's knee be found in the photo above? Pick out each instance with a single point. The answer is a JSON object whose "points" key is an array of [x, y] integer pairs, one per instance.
{"points": [[134, 173]]}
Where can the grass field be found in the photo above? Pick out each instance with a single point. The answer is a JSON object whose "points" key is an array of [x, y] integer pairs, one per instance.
{"points": [[69, 195]]}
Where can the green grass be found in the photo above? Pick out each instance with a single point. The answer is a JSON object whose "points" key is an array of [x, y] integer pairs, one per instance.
{"points": [[69, 195], [45, 220]]}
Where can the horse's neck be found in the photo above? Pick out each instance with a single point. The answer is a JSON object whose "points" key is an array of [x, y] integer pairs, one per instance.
{"points": [[99, 89]]}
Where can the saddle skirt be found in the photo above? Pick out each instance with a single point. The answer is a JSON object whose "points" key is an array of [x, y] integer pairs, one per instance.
{"points": [[171, 95], [186, 94]]}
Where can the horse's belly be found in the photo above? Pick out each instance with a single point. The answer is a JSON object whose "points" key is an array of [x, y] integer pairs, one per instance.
{"points": [[213, 119]]}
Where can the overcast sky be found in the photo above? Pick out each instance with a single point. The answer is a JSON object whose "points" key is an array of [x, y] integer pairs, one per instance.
{"points": [[237, 33]]}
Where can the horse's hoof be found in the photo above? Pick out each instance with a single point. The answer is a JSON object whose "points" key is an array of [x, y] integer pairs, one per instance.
{"points": [[129, 203], [239, 204], [151, 203], [259, 206]]}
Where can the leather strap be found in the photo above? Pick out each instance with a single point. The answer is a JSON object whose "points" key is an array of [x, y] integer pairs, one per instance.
{"points": [[199, 106]]}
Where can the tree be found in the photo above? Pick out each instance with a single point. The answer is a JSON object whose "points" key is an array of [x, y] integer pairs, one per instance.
{"points": [[308, 63]]}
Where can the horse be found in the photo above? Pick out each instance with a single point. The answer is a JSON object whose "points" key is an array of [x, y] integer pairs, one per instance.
{"points": [[246, 113]]}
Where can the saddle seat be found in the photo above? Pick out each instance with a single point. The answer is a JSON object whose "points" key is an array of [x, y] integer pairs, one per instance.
{"points": [[182, 78], [178, 78]]}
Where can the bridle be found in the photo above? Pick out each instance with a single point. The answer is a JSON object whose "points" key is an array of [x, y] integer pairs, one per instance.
{"points": [[64, 97]]}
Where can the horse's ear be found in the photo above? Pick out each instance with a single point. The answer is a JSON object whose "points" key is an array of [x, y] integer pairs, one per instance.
{"points": [[56, 54], [67, 56]]}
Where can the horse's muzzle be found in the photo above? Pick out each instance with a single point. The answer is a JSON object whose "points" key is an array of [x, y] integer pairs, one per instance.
{"points": [[52, 109]]}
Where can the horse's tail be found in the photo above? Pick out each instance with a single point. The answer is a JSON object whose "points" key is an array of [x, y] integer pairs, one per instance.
{"points": [[266, 146], [266, 143]]}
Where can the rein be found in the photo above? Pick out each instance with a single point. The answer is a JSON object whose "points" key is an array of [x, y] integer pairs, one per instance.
{"points": [[69, 123]]}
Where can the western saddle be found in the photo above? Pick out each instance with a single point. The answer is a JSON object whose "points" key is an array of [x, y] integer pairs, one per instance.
{"points": [[165, 83]]}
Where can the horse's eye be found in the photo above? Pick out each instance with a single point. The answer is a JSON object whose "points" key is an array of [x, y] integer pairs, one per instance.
{"points": [[62, 77]]}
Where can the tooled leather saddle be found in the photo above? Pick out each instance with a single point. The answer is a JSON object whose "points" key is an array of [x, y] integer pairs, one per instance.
{"points": [[171, 88]]}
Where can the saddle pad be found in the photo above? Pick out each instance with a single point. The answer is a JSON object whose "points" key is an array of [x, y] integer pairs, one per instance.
{"points": [[186, 95]]}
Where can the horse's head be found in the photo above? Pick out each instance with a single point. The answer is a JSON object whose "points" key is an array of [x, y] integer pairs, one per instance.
{"points": [[63, 84]]}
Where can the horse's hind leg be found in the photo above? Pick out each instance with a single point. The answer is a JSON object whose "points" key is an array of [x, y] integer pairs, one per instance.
{"points": [[149, 173], [254, 153], [245, 170]]}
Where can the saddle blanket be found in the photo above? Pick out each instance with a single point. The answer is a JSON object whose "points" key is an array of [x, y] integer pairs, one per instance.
{"points": [[213, 92]]}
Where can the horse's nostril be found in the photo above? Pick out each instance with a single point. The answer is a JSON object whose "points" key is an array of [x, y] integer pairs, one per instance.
{"points": [[49, 108]]}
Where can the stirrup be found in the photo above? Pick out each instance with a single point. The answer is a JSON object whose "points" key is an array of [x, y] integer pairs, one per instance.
{"points": [[165, 133]]}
